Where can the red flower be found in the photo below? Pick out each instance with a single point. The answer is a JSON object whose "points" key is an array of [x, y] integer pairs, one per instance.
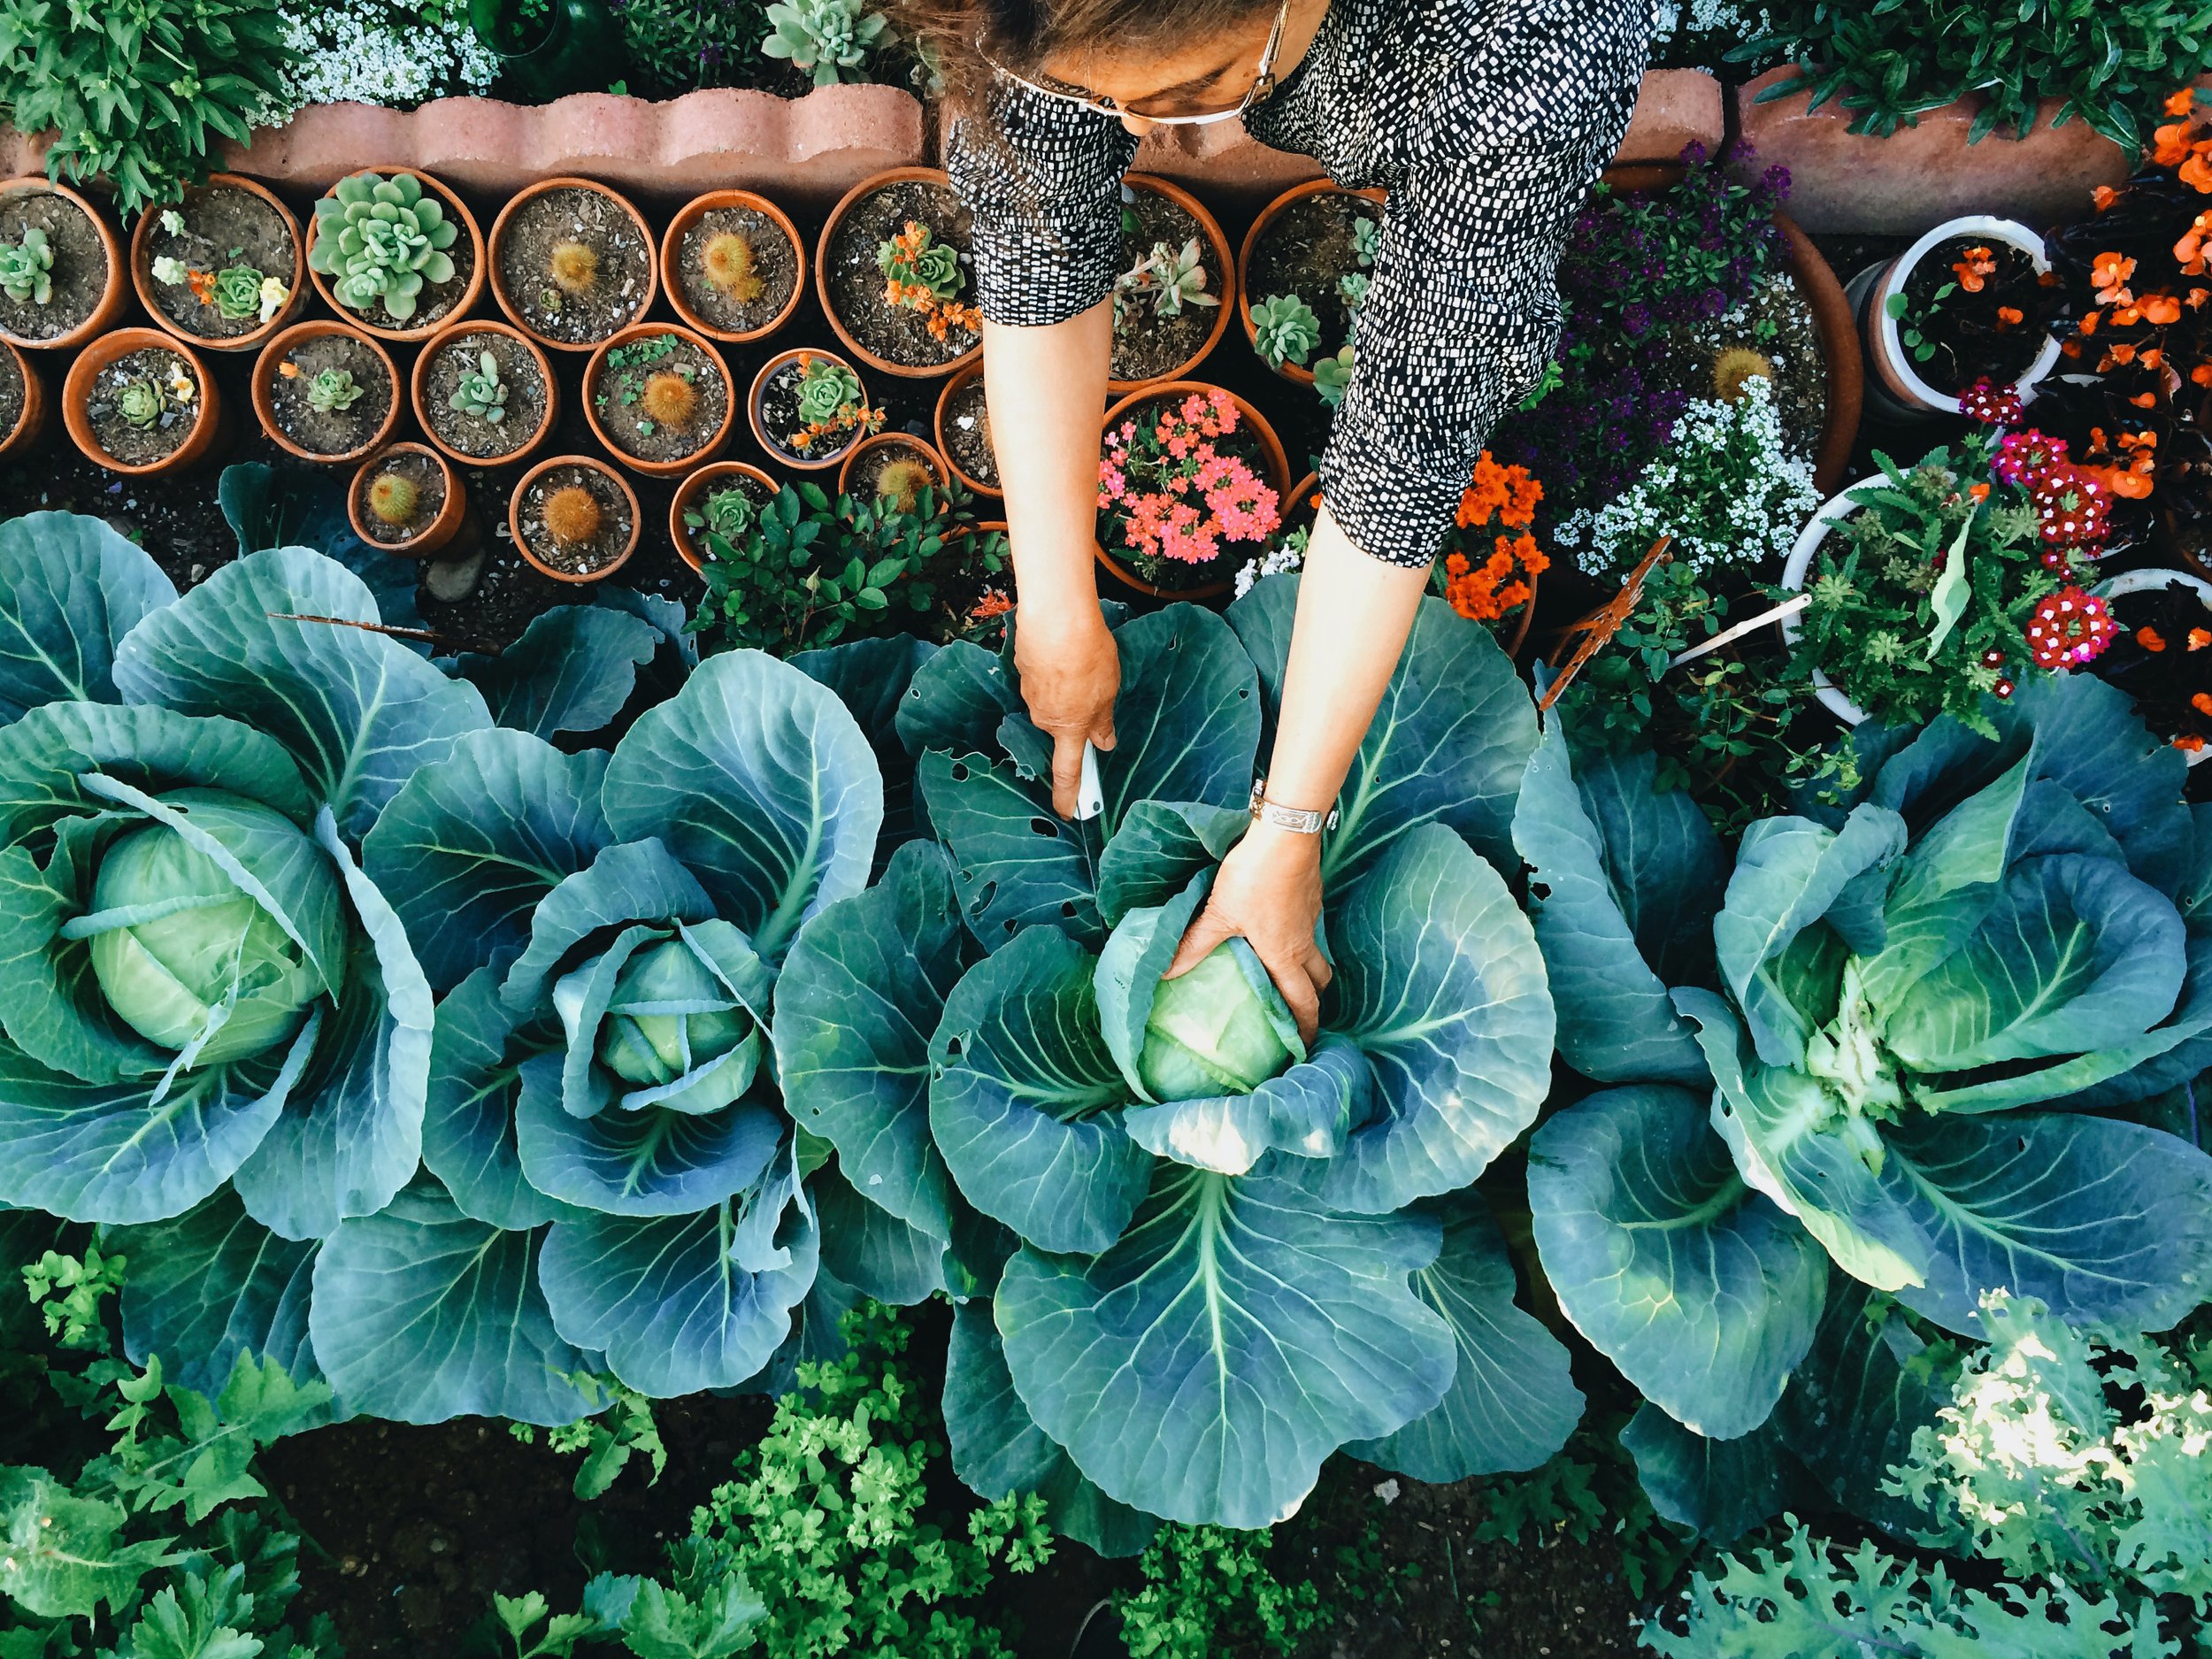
{"points": [[1992, 405], [2069, 629], [2076, 508]]}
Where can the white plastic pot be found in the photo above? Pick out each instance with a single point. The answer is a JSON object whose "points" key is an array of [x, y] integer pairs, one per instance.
{"points": [[2151, 581], [1832, 512], [1895, 382]]}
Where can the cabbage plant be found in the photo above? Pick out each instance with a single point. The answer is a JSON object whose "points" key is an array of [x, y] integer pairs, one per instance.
{"points": [[1877, 1051], [1193, 1255]]}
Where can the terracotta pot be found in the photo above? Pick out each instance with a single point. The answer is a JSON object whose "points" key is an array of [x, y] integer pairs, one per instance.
{"points": [[692, 490], [499, 236], [920, 449], [1268, 214], [672, 244], [1221, 260], [30, 421], [434, 535], [143, 274], [866, 187], [1896, 388], [714, 446], [953, 387], [776, 451], [109, 348], [265, 370], [418, 377], [470, 294], [114, 293], [1833, 323], [1274, 463], [514, 519]]}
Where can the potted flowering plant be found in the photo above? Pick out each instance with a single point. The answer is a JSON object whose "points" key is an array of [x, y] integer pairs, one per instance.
{"points": [[2160, 653], [892, 269], [808, 408], [1970, 301], [1491, 563], [224, 268], [1190, 486]]}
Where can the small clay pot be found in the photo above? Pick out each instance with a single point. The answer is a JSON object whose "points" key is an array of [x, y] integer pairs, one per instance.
{"points": [[596, 368], [1272, 460], [672, 245], [432, 537], [695, 489], [470, 294], [1268, 214], [114, 292], [920, 449], [30, 420], [776, 451], [522, 545], [112, 347], [143, 274], [503, 227], [265, 370], [953, 388], [866, 187], [1223, 261], [419, 375]]}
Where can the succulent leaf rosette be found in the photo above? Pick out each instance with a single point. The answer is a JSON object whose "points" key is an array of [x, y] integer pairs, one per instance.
{"points": [[1876, 1050], [1198, 1253], [382, 239]]}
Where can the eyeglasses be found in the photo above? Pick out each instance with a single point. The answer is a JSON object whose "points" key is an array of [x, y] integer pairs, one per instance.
{"points": [[1100, 104]]}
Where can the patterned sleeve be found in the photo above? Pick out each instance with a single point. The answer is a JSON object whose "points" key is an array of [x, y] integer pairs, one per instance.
{"points": [[1462, 312], [1043, 184]]}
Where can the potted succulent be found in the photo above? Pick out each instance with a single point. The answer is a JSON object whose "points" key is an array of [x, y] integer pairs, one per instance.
{"points": [[722, 498], [140, 402], [1161, 530], [1972, 300], [1177, 273], [61, 267], [394, 252], [661, 397], [406, 500], [893, 270], [326, 391], [894, 467], [574, 518], [1303, 273], [572, 262], [963, 432], [808, 408], [22, 402], [733, 266], [224, 268], [484, 392]]}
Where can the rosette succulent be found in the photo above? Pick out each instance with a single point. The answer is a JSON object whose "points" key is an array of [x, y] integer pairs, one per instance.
{"points": [[380, 239], [825, 36]]}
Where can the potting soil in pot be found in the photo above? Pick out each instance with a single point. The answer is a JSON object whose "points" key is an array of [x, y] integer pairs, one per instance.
{"points": [[898, 333], [418, 474], [736, 268], [1308, 249], [1994, 328], [330, 431], [1772, 335], [968, 434], [231, 242], [577, 556], [143, 406], [574, 264], [659, 397], [1148, 343], [2162, 657], [79, 274], [11, 394], [897, 470], [525, 408]]}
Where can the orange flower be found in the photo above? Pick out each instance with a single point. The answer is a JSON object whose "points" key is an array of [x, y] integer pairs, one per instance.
{"points": [[2201, 374], [2196, 173], [2189, 251], [2108, 274], [1497, 588], [2125, 316], [2089, 321], [2181, 103], [288, 369], [2161, 309], [203, 286], [994, 603], [2169, 144], [1978, 263], [2198, 638], [2202, 702], [2010, 317], [2102, 197], [2149, 637], [1509, 492], [1979, 492], [2119, 352], [2189, 742], [2145, 400], [2152, 358]]}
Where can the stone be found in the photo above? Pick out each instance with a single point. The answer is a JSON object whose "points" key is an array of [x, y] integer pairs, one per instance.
{"points": [[1919, 176], [451, 580]]}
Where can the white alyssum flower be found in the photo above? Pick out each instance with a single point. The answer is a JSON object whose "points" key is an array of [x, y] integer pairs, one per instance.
{"points": [[370, 51], [1727, 489], [1275, 562], [1732, 17]]}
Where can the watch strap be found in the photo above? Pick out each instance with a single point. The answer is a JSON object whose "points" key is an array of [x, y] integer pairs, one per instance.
{"points": [[1298, 820]]}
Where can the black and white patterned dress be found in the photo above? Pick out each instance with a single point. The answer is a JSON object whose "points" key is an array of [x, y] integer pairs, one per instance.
{"points": [[1487, 121]]}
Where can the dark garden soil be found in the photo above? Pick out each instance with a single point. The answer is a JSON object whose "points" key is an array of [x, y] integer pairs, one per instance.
{"points": [[1148, 345], [574, 264], [592, 553], [336, 431], [434, 300], [1305, 250], [224, 227], [1774, 336], [758, 295], [1971, 338], [2155, 661], [524, 409], [80, 272], [968, 434], [899, 470], [660, 397], [896, 332], [780, 416], [428, 479], [139, 446], [11, 394]]}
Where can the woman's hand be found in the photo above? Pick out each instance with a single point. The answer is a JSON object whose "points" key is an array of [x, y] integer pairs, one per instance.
{"points": [[1069, 675], [1269, 891]]}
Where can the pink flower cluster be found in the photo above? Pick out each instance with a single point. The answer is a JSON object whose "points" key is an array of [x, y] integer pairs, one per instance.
{"points": [[1171, 492]]}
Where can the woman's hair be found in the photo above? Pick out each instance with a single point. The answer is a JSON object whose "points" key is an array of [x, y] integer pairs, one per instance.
{"points": [[963, 38]]}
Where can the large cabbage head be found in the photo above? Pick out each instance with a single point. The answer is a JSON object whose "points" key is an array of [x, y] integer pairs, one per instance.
{"points": [[1220, 1029], [674, 1024]]}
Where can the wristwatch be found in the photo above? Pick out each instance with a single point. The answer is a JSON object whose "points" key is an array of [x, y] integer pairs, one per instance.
{"points": [[1298, 820]]}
